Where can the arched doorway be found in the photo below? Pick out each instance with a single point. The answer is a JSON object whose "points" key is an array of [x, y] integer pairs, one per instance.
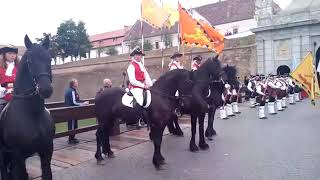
{"points": [[317, 63], [283, 69]]}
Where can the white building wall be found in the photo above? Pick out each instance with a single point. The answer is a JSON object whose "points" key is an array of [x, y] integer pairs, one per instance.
{"points": [[244, 28]]}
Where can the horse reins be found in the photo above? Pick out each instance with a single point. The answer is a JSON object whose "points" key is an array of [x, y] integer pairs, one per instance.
{"points": [[35, 88]]}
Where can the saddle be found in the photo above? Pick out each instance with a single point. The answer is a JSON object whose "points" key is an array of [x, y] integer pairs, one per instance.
{"points": [[129, 100]]}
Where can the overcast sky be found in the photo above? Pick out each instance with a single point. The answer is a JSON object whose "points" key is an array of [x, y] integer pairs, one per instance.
{"points": [[34, 17]]}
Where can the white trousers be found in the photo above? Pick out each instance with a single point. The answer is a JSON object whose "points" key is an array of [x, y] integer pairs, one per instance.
{"points": [[138, 95]]}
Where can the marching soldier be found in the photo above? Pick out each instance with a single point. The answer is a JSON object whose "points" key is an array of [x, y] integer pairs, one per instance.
{"points": [[261, 99], [252, 88], [272, 92], [228, 96], [223, 113], [280, 93], [196, 63], [284, 89], [139, 82], [297, 91], [175, 61], [291, 90]]}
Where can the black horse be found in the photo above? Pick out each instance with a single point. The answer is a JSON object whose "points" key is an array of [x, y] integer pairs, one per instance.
{"points": [[26, 126], [213, 99], [109, 107], [229, 75]]}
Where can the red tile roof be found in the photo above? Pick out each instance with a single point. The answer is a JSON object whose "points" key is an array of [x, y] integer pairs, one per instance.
{"points": [[109, 38], [107, 42]]}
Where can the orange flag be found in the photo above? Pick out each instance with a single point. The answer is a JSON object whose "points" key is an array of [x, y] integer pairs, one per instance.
{"points": [[197, 32]]}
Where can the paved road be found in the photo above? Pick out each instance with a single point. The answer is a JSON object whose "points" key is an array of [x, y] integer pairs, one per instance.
{"points": [[283, 147]]}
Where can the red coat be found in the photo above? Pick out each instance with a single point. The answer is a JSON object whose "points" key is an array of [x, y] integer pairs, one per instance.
{"points": [[139, 74], [7, 81]]}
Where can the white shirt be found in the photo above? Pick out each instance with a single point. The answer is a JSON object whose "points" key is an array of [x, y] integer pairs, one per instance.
{"points": [[249, 86], [259, 89], [175, 65], [272, 85], [132, 75], [289, 81], [10, 67]]}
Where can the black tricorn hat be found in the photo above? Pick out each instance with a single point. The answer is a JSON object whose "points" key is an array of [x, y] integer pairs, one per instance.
{"points": [[9, 48], [176, 54], [198, 58], [136, 51]]}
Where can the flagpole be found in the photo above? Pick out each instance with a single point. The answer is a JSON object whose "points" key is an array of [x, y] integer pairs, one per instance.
{"points": [[162, 59], [141, 28], [179, 37]]}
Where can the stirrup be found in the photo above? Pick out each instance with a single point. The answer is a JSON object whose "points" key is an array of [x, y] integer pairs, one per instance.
{"points": [[178, 112]]}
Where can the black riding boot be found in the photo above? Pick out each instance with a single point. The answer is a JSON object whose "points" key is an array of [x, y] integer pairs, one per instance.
{"points": [[139, 111]]}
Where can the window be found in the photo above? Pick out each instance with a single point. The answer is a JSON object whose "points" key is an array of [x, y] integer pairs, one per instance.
{"points": [[235, 30], [157, 45]]}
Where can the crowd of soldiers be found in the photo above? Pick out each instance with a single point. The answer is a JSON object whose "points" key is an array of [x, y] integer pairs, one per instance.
{"points": [[275, 90]]}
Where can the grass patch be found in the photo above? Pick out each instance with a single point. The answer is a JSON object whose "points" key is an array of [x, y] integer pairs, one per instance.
{"points": [[63, 127]]}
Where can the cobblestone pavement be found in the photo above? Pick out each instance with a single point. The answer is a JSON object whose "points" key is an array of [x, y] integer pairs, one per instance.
{"points": [[283, 147]]}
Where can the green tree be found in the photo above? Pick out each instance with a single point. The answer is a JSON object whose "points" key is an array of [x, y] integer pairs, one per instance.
{"points": [[133, 44], [54, 49], [73, 39], [83, 45], [147, 46], [111, 51], [167, 40], [66, 38]]}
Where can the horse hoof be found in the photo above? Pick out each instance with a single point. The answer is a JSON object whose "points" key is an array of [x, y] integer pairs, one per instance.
{"points": [[194, 148], [178, 133], [111, 155], [210, 138], [210, 133], [162, 162], [158, 164], [204, 146], [101, 163], [158, 167]]}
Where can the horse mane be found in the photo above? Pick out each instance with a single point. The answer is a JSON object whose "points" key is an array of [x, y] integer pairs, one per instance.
{"points": [[230, 71], [36, 49], [213, 60]]}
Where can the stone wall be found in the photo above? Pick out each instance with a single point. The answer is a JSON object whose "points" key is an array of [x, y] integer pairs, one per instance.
{"points": [[90, 73]]}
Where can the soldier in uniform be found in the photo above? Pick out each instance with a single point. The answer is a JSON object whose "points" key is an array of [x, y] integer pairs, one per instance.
{"points": [[297, 91], [252, 88], [280, 93], [291, 86], [175, 61], [272, 92], [261, 99], [228, 99], [223, 113], [139, 82], [196, 63]]}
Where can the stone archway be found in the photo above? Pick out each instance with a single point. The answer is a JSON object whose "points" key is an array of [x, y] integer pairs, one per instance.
{"points": [[317, 63], [317, 57]]}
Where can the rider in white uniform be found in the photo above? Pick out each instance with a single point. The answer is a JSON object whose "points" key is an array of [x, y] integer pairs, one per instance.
{"points": [[175, 61], [139, 80]]}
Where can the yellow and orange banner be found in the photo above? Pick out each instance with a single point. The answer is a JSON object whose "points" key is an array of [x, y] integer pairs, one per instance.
{"points": [[197, 32], [305, 75], [153, 14]]}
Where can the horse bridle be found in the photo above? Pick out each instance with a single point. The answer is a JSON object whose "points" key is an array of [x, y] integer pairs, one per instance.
{"points": [[35, 88]]}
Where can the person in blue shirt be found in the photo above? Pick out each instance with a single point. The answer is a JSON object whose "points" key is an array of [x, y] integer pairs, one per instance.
{"points": [[72, 98]]}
